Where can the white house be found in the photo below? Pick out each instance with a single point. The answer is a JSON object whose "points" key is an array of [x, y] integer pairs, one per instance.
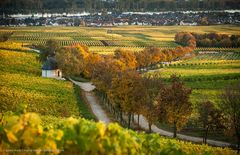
{"points": [[50, 69]]}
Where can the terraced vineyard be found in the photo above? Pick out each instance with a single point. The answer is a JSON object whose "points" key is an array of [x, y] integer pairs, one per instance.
{"points": [[106, 40], [206, 74], [218, 56], [20, 83]]}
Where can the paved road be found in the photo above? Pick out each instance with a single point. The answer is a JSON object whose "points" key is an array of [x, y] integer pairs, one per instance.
{"points": [[96, 108], [144, 124]]}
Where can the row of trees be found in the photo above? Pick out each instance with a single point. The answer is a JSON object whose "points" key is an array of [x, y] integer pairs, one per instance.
{"points": [[123, 90], [84, 61], [126, 93], [112, 5], [122, 87], [152, 56], [208, 39]]}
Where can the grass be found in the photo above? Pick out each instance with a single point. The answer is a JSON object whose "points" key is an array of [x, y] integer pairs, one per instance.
{"points": [[21, 83], [85, 110]]}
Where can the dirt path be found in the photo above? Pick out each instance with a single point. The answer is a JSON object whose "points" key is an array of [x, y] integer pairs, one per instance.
{"points": [[97, 110], [101, 115], [144, 124]]}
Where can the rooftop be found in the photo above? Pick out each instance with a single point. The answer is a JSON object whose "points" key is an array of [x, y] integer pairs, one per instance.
{"points": [[50, 64]]}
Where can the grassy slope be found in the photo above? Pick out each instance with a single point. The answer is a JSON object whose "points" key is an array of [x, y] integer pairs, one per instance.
{"points": [[21, 83]]}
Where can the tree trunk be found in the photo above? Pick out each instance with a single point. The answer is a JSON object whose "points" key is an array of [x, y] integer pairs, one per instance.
{"points": [[205, 136], [138, 121], [174, 130], [129, 120], [238, 147], [121, 119], [113, 110], [104, 100], [132, 117], [150, 127]]}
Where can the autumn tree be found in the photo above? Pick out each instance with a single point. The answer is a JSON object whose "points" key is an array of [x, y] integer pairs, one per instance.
{"points": [[226, 42], [176, 103], [210, 117], [146, 58], [151, 108], [180, 51], [230, 105], [235, 40], [139, 59], [168, 55], [48, 50], [71, 60], [105, 70], [140, 99], [205, 42], [216, 40], [102, 76], [91, 62], [185, 39], [123, 91], [156, 55], [126, 57], [215, 36], [143, 59]]}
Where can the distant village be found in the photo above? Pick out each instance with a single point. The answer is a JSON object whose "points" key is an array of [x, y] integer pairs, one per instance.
{"points": [[125, 18]]}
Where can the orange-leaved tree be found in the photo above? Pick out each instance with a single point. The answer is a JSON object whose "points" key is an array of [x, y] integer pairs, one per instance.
{"points": [[72, 59], [91, 61], [150, 109], [176, 103], [123, 92], [126, 57]]}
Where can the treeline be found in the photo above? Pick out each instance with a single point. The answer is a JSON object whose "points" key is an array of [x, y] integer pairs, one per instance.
{"points": [[150, 57], [208, 39], [145, 59], [27, 6]]}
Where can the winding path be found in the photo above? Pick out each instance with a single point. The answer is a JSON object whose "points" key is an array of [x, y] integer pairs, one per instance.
{"points": [[97, 110], [101, 116]]}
